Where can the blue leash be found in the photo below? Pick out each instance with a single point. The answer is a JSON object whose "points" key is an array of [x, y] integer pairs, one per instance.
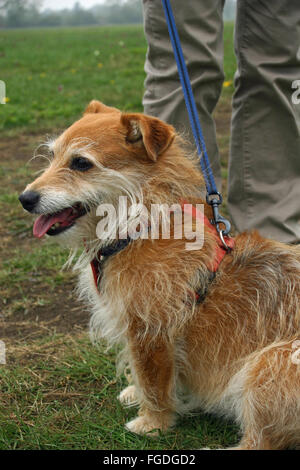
{"points": [[213, 197]]}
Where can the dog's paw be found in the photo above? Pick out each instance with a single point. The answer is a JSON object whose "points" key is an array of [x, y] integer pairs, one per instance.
{"points": [[142, 425], [150, 424], [128, 396]]}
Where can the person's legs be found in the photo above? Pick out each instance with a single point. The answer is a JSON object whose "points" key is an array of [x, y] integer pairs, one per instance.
{"points": [[200, 27], [264, 170]]}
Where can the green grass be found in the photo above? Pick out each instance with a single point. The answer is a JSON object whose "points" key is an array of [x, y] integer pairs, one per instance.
{"points": [[51, 74], [57, 390], [66, 398], [229, 57]]}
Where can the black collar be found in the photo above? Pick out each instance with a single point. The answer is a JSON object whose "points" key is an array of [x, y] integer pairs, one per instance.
{"points": [[103, 254], [114, 247]]}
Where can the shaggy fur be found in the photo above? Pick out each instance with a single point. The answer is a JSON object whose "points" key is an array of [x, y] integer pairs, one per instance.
{"points": [[232, 354]]}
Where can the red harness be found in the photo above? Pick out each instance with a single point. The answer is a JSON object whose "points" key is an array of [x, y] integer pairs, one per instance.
{"points": [[95, 265], [220, 251], [220, 248]]}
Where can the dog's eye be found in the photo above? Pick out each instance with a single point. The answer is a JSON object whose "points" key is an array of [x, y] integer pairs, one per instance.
{"points": [[81, 164]]}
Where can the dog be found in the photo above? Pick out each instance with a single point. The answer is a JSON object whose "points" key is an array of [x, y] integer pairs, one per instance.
{"points": [[198, 328]]}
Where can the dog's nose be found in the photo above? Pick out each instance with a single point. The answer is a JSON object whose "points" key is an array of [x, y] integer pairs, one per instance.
{"points": [[29, 200]]}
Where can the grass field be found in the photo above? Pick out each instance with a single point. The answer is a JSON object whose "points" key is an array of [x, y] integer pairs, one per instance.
{"points": [[51, 74], [57, 391]]}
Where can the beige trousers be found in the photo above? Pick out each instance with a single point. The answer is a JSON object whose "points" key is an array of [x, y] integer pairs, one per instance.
{"points": [[264, 164]]}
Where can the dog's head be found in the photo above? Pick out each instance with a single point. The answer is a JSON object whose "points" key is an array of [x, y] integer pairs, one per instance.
{"points": [[104, 155]]}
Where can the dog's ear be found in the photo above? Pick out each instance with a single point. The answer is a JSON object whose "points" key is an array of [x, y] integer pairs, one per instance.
{"points": [[96, 107], [155, 135]]}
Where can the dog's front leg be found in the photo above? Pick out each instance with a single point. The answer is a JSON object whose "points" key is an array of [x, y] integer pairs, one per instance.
{"points": [[153, 363]]}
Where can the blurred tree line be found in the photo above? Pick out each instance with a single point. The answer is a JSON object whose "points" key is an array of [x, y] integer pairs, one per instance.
{"points": [[229, 10], [28, 13]]}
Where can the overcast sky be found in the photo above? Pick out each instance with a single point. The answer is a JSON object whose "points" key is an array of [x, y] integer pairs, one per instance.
{"points": [[60, 4]]}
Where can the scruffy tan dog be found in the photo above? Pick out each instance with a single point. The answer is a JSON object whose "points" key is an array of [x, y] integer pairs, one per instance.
{"points": [[227, 342]]}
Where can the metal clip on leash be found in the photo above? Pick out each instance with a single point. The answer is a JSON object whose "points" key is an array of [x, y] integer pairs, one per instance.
{"points": [[215, 200]]}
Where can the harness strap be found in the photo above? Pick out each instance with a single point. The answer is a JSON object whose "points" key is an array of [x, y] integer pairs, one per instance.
{"points": [[95, 265], [118, 246], [220, 248]]}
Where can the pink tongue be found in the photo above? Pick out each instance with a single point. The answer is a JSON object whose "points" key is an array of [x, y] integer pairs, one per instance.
{"points": [[44, 222]]}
